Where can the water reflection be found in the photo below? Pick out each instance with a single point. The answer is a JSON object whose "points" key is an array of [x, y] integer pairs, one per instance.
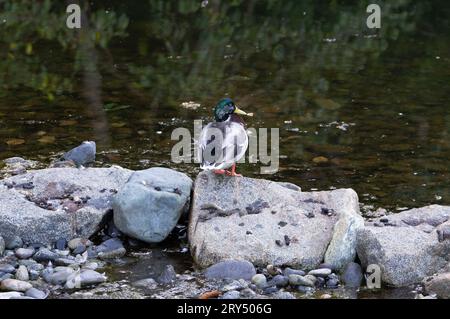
{"points": [[355, 108]]}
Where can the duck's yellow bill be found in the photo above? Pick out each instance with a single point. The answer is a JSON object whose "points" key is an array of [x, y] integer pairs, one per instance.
{"points": [[239, 111]]}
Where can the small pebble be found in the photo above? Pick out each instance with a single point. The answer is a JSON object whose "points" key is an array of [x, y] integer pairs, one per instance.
{"points": [[324, 272], [13, 243], [35, 293], [15, 285], [259, 280], [6, 268], [24, 253], [22, 273]]}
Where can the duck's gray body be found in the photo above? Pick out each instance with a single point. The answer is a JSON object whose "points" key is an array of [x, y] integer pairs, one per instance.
{"points": [[221, 144]]}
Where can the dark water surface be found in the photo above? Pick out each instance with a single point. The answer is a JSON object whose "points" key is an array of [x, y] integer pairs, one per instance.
{"points": [[374, 104], [355, 107]]}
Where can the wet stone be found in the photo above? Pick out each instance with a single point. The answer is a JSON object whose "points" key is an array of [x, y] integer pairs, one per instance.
{"points": [[43, 255], [259, 280], [22, 273], [13, 243], [279, 281], [15, 285], [35, 293], [324, 272], [167, 276], [24, 253], [6, 268]]}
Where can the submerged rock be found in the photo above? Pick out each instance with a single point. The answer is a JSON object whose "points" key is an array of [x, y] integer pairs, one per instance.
{"points": [[149, 205], [265, 222], [63, 203], [409, 247], [82, 154]]}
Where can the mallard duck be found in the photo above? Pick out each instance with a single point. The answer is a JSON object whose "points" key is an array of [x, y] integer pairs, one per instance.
{"points": [[222, 143]]}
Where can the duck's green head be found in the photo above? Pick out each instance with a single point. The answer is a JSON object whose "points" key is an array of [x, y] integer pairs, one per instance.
{"points": [[225, 108]]}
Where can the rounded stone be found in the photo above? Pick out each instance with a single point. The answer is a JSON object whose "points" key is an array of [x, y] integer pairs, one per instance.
{"points": [[24, 253], [15, 285], [323, 272], [352, 275], [22, 273], [35, 293], [231, 269], [297, 280], [151, 202], [13, 243], [232, 294], [259, 280]]}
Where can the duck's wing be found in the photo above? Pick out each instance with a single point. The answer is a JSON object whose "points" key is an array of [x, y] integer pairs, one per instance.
{"points": [[220, 152]]}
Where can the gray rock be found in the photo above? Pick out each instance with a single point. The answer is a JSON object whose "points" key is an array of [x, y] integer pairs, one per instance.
{"points": [[332, 283], [235, 285], [259, 280], [79, 249], [77, 242], [305, 289], [84, 278], [311, 278], [38, 215], [4, 276], [35, 293], [147, 283], [352, 275], [279, 281], [2, 246], [111, 248], [34, 274], [13, 242], [15, 285], [320, 272], [82, 154], [24, 253], [438, 285], [45, 255], [59, 277], [247, 293], [167, 276], [61, 244], [276, 228], [407, 252], [231, 269], [297, 280], [289, 271], [232, 294], [283, 295], [7, 268], [10, 295], [22, 273], [149, 205], [65, 262]]}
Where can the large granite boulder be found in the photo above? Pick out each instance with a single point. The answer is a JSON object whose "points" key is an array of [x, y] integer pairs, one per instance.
{"points": [[267, 222], [407, 246], [150, 204], [42, 206]]}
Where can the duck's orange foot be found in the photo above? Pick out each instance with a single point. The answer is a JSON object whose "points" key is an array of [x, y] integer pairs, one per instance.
{"points": [[232, 173], [220, 171]]}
